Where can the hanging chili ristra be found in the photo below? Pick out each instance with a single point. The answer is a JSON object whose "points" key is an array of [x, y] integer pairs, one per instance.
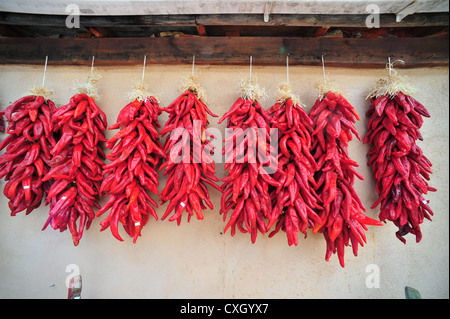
{"points": [[400, 168], [294, 201], [189, 167], [27, 156], [76, 163], [343, 221], [136, 152], [250, 162]]}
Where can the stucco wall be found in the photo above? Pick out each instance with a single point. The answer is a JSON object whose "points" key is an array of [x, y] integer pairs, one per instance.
{"points": [[195, 260]]}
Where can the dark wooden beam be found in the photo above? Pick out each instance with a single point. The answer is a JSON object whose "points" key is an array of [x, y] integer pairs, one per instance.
{"points": [[345, 52], [10, 31], [295, 20], [10, 18]]}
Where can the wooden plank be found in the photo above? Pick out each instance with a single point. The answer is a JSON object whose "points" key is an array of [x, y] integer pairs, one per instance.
{"points": [[295, 20], [174, 7], [344, 52], [232, 33], [10, 18], [324, 20]]}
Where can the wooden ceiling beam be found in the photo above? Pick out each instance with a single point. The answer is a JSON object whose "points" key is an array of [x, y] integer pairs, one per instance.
{"points": [[25, 19], [325, 20], [343, 52], [295, 20]]}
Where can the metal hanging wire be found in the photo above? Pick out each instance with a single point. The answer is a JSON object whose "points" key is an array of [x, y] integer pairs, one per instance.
{"points": [[390, 65], [45, 70], [287, 68], [251, 61], [92, 64], [143, 68], [323, 70]]}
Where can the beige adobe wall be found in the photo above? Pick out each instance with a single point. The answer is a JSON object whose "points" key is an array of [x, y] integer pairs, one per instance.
{"points": [[195, 260]]}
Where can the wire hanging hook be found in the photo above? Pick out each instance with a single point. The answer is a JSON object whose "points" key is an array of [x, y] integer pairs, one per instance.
{"points": [[92, 64], [193, 63], [390, 65], [251, 58], [143, 68], [323, 70], [45, 70], [287, 68]]}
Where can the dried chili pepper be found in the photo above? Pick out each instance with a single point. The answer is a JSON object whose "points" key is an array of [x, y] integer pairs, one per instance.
{"points": [[76, 165], [294, 201], [342, 219], [189, 166], [400, 168], [136, 151], [26, 159]]}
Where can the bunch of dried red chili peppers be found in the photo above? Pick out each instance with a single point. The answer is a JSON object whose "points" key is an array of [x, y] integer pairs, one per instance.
{"points": [[188, 166], [76, 165], [136, 151], [248, 159], [342, 219], [294, 201], [27, 157], [401, 170]]}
